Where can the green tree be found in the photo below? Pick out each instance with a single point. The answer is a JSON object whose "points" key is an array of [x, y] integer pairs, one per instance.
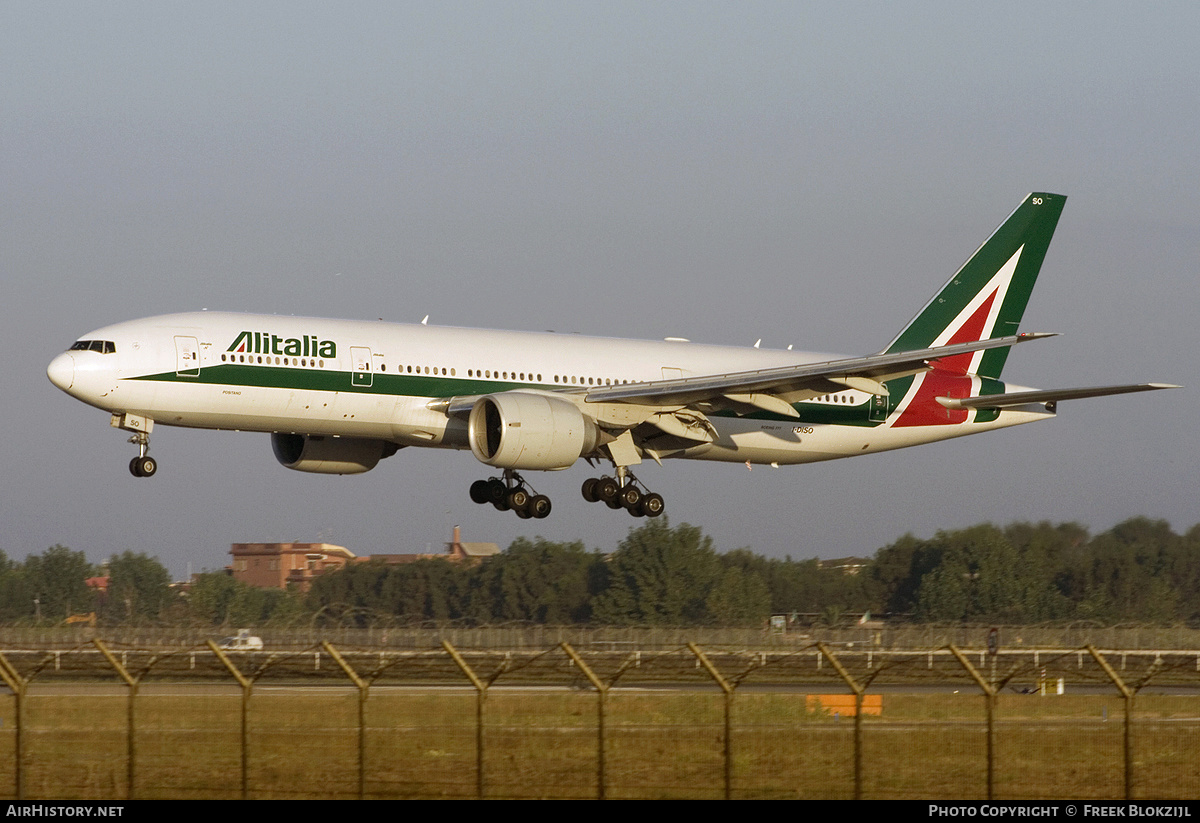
{"points": [[1127, 573], [659, 576], [537, 580], [57, 579], [216, 599], [897, 572], [980, 576], [139, 589], [738, 597], [1179, 564], [16, 598], [431, 589], [944, 595]]}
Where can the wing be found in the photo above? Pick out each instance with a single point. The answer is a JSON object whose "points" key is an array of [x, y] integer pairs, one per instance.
{"points": [[776, 389], [768, 389]]}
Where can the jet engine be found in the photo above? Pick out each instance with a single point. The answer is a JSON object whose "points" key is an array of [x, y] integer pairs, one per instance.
{"points": [[329, 455], [529, 430]]}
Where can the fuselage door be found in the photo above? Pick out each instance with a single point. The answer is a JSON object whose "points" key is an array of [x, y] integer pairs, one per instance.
{"points": [[360, 359], [187, 357], [878, 408]]}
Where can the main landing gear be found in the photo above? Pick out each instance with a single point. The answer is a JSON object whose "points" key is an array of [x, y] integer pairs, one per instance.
{"points": [[511, 493], [143, 465], [623, 492]]}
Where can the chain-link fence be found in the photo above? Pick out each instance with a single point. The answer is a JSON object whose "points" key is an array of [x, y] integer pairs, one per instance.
{"points": [[105, 721], [392, 633]]}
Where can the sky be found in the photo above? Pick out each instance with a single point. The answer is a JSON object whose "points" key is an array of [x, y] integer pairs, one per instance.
{"points": [[803, 173]]}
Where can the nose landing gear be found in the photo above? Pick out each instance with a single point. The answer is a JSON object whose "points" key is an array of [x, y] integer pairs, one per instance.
{"points": [[143, 465]]}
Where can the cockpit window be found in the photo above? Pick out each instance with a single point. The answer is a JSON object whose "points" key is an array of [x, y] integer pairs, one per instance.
{"points": [[102, 346]]}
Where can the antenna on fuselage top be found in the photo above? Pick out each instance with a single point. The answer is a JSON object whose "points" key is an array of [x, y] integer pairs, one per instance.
{"points": [[425, 322]]}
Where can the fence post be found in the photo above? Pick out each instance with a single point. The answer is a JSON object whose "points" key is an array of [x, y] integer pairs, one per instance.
{"points": [[363, 688], [130, 716], [728, 690], [989, 694], [480, 696], [602, 695], [858, 704], [17, 684], [1128, 694], [246, 685]]}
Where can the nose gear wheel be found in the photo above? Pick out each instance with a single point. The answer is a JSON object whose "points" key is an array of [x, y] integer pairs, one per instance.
{"points": [[143, 465]]}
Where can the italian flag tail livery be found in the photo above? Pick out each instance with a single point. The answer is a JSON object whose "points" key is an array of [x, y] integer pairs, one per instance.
{"points": [[983, 300]]}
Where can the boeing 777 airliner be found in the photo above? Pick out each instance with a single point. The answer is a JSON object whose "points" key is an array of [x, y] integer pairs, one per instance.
{"points": [[337, 396]]}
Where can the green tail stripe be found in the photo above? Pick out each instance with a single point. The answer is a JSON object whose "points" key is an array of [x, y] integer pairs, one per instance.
{"points": [[1031, 225]]}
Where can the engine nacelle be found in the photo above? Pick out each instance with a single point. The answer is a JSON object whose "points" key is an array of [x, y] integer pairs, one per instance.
{"points": [[529, 430], [329, 455]]}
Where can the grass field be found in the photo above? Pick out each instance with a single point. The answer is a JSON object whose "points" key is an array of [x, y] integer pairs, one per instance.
{"points": [[303, 743]]}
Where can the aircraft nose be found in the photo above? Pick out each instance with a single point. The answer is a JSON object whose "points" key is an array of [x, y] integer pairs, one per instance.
{"points": [[61, 371]]}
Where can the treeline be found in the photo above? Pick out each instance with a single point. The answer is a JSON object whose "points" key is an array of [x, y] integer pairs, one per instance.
{"points": [[51, 587], [1139, 571]]}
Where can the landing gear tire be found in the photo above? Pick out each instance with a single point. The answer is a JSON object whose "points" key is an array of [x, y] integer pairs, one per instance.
{"points": [[479, 492], [518, 499], [589, 490], [539, 506], [497, 492], [630, 497], [607, 489], [652, 505], [143, 466]]}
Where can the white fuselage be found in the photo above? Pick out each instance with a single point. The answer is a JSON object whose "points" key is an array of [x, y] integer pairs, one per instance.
{"points": [[268, 373]]}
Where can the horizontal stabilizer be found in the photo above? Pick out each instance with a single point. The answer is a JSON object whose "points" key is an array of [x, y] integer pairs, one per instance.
{"points": [[1000, 401]]}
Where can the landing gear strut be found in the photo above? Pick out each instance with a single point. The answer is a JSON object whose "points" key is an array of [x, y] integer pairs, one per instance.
{"points": [[623, 492], [511, 493], [143, 465]]}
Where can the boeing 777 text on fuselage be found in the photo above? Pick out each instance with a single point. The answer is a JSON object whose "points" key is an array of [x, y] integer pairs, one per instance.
{"points": [[337, 395]]}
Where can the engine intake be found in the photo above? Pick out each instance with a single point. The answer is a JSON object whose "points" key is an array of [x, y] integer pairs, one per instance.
{"points": [[529, 430], [329, 455]]}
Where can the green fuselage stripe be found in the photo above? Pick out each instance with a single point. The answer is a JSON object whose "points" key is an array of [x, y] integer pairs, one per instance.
{"points": [[412, 385]]}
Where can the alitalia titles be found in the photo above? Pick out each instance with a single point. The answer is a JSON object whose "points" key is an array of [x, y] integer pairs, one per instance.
{"points": [[261, 342]]}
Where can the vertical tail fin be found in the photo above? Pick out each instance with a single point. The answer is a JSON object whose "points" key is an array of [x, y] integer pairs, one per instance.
{"points": [[988, 295]]}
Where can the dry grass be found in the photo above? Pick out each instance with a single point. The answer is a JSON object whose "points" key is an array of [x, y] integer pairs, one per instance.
{"points": [[668, 744]]}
